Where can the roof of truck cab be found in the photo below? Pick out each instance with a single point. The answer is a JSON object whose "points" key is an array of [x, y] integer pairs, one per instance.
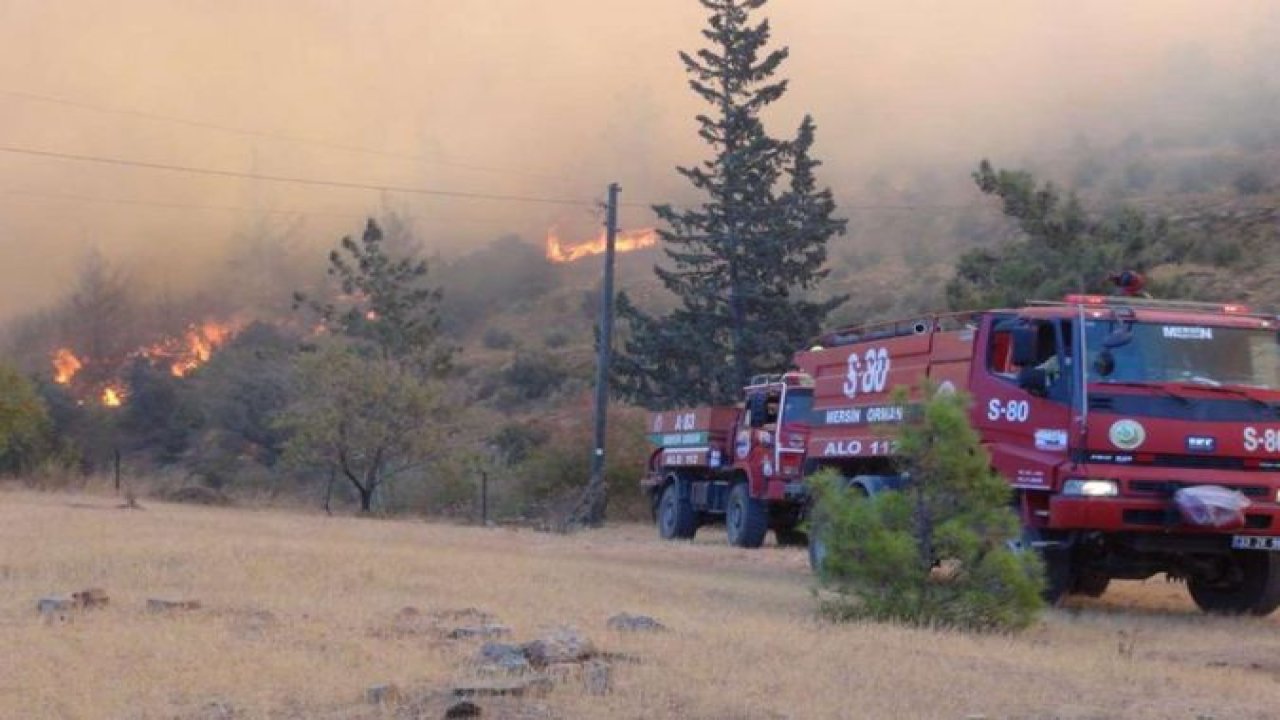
{"points": [[1139, 309], [1159, 315]]}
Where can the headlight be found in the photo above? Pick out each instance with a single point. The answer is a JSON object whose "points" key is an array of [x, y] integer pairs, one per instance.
{"points": [[1089, 487]]}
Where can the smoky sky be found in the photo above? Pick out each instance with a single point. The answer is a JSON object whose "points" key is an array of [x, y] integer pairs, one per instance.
{"points": [[547, 99]]}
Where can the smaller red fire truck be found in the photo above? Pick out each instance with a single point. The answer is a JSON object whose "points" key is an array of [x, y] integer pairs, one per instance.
{"points": [[740, 463]]}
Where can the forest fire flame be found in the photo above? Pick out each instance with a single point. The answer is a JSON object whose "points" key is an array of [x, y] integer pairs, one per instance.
{"points": [[65, 366], [112, 396], [626, 241], [180, 355], [193, 349]]}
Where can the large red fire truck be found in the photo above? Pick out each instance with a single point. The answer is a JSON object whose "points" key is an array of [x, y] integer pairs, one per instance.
{"points": [[1139, 436]]}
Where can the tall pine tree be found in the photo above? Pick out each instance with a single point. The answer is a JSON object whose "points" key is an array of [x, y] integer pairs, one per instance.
{"points": [[744, 262]]}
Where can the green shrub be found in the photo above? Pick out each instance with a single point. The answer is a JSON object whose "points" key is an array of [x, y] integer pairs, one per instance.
{"points": [[531, 376], [554, 470], [25, 429], [938, 552], [513, 442]]}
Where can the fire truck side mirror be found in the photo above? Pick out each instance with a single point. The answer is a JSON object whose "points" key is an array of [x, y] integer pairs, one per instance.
{"points": [[1024, 346]]}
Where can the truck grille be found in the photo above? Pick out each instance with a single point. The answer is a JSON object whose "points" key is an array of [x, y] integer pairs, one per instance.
{"points": [[1199, 461], [1162, 518], [1167, 488]]}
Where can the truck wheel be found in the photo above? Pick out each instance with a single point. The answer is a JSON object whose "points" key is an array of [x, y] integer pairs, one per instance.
{"points": [[1090, 584], [676, 519], [1250, 583], [746, 518]]}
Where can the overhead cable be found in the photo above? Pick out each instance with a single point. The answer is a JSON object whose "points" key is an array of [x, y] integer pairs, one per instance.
{"points": [[408, 190]]}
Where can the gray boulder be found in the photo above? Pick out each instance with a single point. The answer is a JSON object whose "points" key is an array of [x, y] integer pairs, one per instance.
{"points": [[54, 605], [504, 658], [561, 645]]}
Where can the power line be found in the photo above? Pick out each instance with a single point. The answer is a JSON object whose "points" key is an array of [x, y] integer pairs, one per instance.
{"points": [[367, 151], [297, 180], [185, 206], [398, 188], [275, 136], [196, 206], [858, 208]]}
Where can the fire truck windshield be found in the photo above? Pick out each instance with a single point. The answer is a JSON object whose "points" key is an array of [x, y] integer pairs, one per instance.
{"points": [[1191, 354]]}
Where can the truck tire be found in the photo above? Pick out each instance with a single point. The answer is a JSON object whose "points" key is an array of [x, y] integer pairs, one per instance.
{"points": [[746, 518], [1250, 585], [1090, 584], [676, 519]]}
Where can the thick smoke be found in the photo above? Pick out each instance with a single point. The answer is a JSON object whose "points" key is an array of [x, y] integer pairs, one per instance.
{"points": [[534, 99]]}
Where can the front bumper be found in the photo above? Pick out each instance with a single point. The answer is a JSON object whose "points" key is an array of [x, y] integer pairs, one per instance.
{"points": [[1146, 514]]}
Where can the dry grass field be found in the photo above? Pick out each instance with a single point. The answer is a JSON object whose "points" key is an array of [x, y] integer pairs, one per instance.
{"points": [[299, 617]]}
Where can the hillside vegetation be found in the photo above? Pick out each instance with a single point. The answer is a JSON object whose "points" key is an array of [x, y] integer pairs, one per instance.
{"points": [[516, 409]]}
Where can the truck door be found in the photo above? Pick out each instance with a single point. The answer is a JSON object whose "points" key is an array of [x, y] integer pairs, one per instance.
{"points": [[755, 442], [795, 414], [1021, 381]]}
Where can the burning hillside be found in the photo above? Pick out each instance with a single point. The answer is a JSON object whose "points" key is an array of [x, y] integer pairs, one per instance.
{"points": [[180, 356], [626, 241]]}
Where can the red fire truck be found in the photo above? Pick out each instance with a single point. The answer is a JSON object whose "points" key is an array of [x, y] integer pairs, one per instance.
{"points": [[1139, 436], [741, 464]]}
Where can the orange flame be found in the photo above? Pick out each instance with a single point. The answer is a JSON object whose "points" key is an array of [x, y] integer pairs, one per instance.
{"points": [[626, 241], [65, 366], [200, 343], [181, 355], [193, 349], [112, 396]]}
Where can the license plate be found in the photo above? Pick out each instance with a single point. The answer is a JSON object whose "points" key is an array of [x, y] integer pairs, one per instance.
{"points": [[1255, 542]]}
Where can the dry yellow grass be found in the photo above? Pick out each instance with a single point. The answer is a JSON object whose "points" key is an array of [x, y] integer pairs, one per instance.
{"points": [[296, 609]]}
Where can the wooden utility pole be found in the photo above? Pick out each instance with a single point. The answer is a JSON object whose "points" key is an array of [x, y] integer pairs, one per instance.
{"points": [[590, 508]]}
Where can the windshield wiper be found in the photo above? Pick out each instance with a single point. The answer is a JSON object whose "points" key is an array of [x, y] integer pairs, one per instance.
{"points": [[1233, 391], [1149, 386]]}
